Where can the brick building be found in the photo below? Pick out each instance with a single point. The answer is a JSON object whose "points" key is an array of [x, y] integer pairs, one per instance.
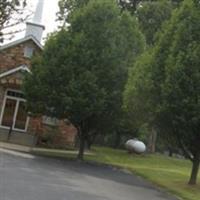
{"points": [[16, 124]]}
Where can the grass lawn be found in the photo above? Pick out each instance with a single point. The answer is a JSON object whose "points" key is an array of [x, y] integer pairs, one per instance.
{"points": [[170, 173]]}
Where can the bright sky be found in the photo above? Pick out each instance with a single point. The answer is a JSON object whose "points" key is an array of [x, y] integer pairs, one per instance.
{"points": [[49, 17]]}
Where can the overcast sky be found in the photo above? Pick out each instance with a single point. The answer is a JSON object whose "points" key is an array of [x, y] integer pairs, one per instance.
{"points": [[49, 17]]}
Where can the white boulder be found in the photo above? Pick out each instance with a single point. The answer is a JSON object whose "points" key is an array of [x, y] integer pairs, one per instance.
{"points": [[135, 146]]}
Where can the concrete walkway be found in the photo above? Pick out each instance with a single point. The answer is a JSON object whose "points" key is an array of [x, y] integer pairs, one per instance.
{"points": [[15, 147], [36, 150]]}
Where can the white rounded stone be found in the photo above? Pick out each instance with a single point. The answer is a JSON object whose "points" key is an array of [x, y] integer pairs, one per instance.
{"points": [[136, 146], [129, 144], [139, 147]]}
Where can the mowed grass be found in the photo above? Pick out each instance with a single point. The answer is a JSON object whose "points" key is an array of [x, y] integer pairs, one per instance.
{"points": [[170, 173]]}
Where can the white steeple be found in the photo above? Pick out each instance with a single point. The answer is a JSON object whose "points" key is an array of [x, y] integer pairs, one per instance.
{"points": [[35, 28]]}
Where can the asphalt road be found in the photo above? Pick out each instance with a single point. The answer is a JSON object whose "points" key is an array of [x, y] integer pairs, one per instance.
{"points": [[24, 177]]}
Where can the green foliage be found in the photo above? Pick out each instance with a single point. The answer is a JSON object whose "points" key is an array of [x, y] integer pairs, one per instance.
{"points": [[151, 16], [181, 87], [59, 85], [172, 73], [133, 5], [137, 104], [177, 59], [82, 72], [130, 5], [66, 7], [138, 90]]}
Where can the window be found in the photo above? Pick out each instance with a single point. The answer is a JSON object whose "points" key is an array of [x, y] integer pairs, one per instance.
{"points": [[14, 114], [51, 121], [12, 93], [28, 52]]}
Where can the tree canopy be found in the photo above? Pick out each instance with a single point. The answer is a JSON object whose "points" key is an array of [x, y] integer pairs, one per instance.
{"points": [[82, 71], [133, 5], [152, 16], [66, 7], [172, 92]]}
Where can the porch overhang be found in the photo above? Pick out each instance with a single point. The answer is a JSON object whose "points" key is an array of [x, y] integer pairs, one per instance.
{"points": [[10, 77]]}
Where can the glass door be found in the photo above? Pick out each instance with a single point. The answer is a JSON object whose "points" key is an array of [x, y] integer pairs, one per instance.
{"points": [[14, 113], [21, 118], [9, 112]]}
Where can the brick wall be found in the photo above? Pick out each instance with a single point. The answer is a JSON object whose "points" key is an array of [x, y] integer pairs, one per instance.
{"points": [[60, 135], [14, 57]]}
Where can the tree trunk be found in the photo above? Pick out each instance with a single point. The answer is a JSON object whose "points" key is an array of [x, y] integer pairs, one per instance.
{"points": [[152, 141], [170, 152], [81, 146], [195, 169], [117, 140], [91, 137], [89, 144]]}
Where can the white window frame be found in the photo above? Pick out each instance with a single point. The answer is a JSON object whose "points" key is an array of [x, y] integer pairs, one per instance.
{"points": [[18, 100]]}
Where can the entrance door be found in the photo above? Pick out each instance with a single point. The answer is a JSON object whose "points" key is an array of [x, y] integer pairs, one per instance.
{"points": [[21, 118], [14, 112], [9, 111]]}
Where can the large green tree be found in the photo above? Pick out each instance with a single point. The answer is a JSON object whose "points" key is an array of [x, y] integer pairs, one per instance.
{"points": [[172, 75], [181, 89], [10, 14], [68, 6], [137, 101], [151, 16], [82, 71]]}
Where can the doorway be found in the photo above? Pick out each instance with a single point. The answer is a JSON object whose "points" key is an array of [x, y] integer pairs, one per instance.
{"points": [[14, 114]]}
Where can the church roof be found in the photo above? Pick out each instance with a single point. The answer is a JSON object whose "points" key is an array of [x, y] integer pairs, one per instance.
{"points": [[14, 70], [16, 42]]}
